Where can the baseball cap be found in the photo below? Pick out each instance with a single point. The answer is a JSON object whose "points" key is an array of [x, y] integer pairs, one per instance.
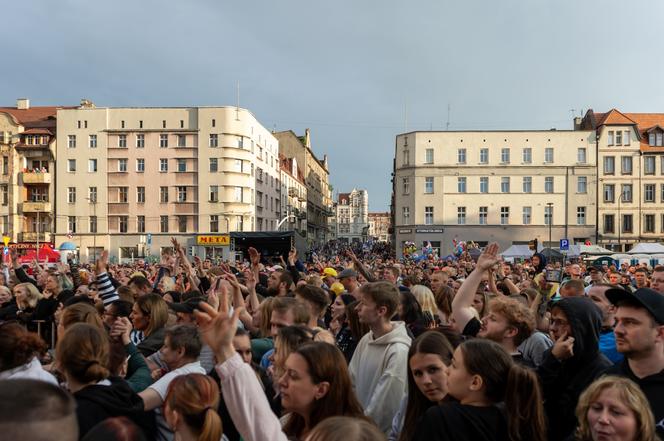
{"points": [[330, 272], [188, 306], [337, 288], [648, 298], [348, 272]]}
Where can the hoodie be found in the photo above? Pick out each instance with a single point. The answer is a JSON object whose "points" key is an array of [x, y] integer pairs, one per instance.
{"points": [[378, 371], [563, 381], [542, 265], [111, 398]]}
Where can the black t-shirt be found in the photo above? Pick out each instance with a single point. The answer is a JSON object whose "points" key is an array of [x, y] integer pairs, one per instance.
{"points": [[459, 422], [472, 328]]}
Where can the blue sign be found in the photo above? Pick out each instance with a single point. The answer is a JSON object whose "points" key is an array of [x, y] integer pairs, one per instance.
{"points": [[564, 244], [149, 239], [6, 251]]}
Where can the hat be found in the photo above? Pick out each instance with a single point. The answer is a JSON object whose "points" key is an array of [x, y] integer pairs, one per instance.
{"points": [[645, 297], [348, 272], [188, 306], [330, 272], [597, 268], [337, 288]]}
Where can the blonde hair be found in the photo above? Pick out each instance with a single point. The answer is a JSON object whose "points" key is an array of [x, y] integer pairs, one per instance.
{"points": [[156, 308], [315, 280], [630, 395], [32, 297], [425, 298], [343, 428]]}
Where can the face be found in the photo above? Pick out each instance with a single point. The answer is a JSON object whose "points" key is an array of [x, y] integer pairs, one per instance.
{"points": [[52, 284], [171, 357], [138, 319], [296, 387], [338, 308], [5, 296], [596, 294], [367, 311], [635, 331], [575, 271], [495, 327], [478, 303], [438, 280], [559, 324], [21, 293], [279, 320], [348, 283], [595, 276], [640, 278], [614, 278], [388, 276], [536, 261], [657, 281], [609, 419], [242, 345], [459, 380], [273, 281], [430, 375], [109, 315]]}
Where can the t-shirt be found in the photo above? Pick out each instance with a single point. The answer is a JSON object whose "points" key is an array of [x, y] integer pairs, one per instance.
{"points": [[472, 328], [460, 422]]}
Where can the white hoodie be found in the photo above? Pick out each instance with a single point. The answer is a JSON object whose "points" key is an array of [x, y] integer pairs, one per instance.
{"points": [[379, 373]]}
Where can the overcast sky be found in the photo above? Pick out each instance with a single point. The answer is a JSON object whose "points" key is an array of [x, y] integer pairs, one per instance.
{"points": [[345, 69]]}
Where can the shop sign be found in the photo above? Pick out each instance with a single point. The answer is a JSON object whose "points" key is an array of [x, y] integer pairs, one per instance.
{"points": [[216, 240]]}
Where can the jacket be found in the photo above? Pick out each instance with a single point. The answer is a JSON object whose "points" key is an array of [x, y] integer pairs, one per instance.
{"points": [[460, 422], [378, 371], [152, 343]]}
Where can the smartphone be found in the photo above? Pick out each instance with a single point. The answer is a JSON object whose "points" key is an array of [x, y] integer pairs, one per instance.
{"points": [[553, 275]]}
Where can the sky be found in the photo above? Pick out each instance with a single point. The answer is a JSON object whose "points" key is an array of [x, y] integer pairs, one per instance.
{"points": [[356, 73]]}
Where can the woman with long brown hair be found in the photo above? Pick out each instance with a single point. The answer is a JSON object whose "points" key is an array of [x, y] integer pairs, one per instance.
{"points": [[190, 408], [149, 316]]}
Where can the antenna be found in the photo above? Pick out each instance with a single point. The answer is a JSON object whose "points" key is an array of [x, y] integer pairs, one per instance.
{"points": [[573, 112], [405, 116], [237, 108], [449, 110]]}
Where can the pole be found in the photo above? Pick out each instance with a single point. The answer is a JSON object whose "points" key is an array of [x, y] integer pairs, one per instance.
{"points": [[94, 234], [38, 236], [550, 205], [619, 221]]}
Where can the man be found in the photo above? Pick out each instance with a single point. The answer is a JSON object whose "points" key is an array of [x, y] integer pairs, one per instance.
{"points": [[140, 286], [348, 278], [508, 323], [574, 271], [180, 352], [572, 288], [596, 274], [316, 301], [639, 332], [329, 277], [378, 368], [279, 283], [657, 279], [391, 274], [607, 340], [614, 278], [286, 311], [641, 278], [438, 280]]}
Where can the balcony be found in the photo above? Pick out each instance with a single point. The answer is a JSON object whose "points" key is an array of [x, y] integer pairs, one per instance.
{"points": [[31, 236], [34, 207], [35, 178]]}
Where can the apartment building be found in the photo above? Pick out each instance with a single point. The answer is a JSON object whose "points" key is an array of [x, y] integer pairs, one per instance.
{"points": [[504, 186], [316, 177], [130, 178], [631, 169], [352, 216], [379, 226]]}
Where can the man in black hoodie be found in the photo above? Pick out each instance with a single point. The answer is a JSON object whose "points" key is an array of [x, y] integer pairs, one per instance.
{"points": [[572, 363]]}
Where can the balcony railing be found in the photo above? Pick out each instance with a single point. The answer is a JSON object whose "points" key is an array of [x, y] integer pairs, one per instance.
{"points": [[36, 178], [33, 207], [31, 236]]}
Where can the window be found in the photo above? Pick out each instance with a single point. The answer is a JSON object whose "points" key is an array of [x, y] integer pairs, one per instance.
{"points": [[626, 165], [428, 156], [122, 124], [461, 215], [609, 221], [182, 224], [140, 165], [214, 165], [504, 215], [71, 195], [627, 223], [649, 193], [581, 155], [71, 165], [461, 156], [649, 165], [182, 165], [71, 141], [240, 143], [5, 165], [214, 193], [582, 184], [405, 212], [580, 215], [92, 194], [484, 214], [140, 224], [182, 194], [609, 192], [428, 185], [505, 184], [140, 195], [662, 193], [163, 224], [182, 124], [527, 155], [238, 167], [163, 141], [140, 141], [527, 215], [93, 224], [214, 223], [484, 184], [5, 196], [92, 141], [428, 215], [626, 193], [405, 157], [124, 222], [163, 195], [123, 194], [182, 140], [626, 138], [649, 224], [548, 184], [92, 165], [618, 137], [239, 197], [484, 156], [548, 215], [527, 184], [71, 224], [214, 122], [163, 165], [461, 185], [609, 165], [122, 165], [505, 156], [609, 138], [548, 155], [214, 140], [122, 141], [406, 185]]}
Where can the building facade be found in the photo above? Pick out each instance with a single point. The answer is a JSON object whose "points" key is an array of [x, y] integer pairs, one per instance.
{"points": [[504, 186], [130, 178], [379, 226], [352, 217], [293, 197]]}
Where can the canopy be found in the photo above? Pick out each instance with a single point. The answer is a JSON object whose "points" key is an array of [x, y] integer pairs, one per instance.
{"points": [[588, 250], [551, 253], [67, 246], [518, 251], [46, 254], [647, 248]]}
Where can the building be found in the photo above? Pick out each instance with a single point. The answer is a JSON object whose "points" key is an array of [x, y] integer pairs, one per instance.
{"points": [[631, 166], [379, 226], [353, 216], [316, 178], [130, 178], [27, 145], [504, 186], [293, 197]]}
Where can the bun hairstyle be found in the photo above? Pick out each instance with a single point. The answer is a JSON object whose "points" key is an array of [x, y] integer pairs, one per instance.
{"points": [[81, 313], [18, 346], [196, 398], [83, 353]]}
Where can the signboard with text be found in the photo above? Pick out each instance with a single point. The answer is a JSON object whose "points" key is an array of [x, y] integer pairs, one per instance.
{"points": [[214, 240]]}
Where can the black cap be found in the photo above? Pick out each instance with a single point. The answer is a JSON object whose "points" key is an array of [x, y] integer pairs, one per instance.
{"points": [[188, 306], [348, 272], [645, 297], [599, 268]]}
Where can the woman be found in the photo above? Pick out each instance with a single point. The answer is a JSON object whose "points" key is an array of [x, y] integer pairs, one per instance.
{"points": [[79, 313], [8, 306], [288, 339], [443, 299], [31, 306], [345, 429], [19, 354], [427, 303], [410, 312], [339, 305], [614, 408], [481, 376], [149, 316], [351, 332], [189, 408]]}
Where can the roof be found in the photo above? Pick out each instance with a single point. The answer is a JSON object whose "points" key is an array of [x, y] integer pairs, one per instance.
{"points": [[34, 115], [614, 116], [343, 196], [37, 131], [286, 165], [644, 123], [379, 214]]}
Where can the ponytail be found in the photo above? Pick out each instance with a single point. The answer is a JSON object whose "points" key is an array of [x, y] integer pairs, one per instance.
{"points": [[211, 430], [523, 402], [196, 397]]}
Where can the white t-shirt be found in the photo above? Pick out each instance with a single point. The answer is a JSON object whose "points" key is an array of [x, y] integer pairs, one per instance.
{"points": [[32, 370]]}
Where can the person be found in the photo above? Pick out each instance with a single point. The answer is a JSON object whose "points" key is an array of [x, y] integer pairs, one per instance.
{"points": [[607, 339], [438, 280], [639, 332], [482, 375], [427, 303], [428, 359], [279, 283], [341, 428], [379, 364], [572, 363], [410, 312], [36, 410], [19, 354], [614, 408], [316, 301], [640, 278], [189, 408], [149, 316], [596, 273], [572, 288], [115, 429], [286, 311], [351, 331], [657, 279], [348, 278]]}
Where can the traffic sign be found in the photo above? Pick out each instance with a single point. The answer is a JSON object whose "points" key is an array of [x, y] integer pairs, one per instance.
{"points": [[564, 244]]}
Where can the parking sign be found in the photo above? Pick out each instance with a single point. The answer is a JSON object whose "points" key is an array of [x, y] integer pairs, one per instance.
{"points": [[564, 244]]}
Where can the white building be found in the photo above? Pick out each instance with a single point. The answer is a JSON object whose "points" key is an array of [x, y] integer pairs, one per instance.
{"points": [[352, 216], [293, 196]]}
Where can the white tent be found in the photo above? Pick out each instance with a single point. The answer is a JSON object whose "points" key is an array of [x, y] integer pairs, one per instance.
{"points": [[587, 250], [517, 251], [647, 248]]}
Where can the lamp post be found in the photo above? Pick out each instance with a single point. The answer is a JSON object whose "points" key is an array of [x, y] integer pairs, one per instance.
{"points": [[550, 207], [93, 201], [620, 199]]}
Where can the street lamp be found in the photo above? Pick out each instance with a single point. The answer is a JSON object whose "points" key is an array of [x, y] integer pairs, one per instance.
{"points": [[550, 207], [620, 199]]}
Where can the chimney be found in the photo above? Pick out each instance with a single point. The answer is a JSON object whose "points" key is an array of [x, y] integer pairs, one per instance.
{"points": [[23, 104], [325, 161], [307, 138], [577, 123]]}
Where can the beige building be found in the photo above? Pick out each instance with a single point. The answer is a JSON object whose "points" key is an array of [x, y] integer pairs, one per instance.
{"points": [[130, 178], [293, 197], [503, 186], [379, 226], [316, 178], [352, 219]]}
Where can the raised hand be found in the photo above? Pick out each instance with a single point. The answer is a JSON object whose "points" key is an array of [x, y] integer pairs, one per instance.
{"points": [[122, 330], [218, 327], [254, 256], [489, 257], [249, 280], [102, 262], [292, 257], [563, 348]]}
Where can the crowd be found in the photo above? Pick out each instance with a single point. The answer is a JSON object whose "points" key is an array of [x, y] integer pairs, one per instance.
{"points": [[342, 344]]}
